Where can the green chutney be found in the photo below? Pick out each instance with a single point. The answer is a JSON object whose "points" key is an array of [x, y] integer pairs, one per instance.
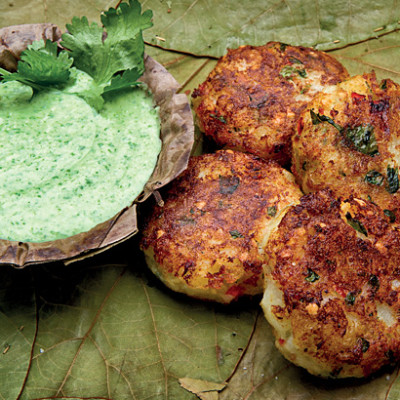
{"points": [[64, 167]]}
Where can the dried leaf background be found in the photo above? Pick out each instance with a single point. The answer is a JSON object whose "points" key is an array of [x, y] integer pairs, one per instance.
{"points": [[105, 328]]}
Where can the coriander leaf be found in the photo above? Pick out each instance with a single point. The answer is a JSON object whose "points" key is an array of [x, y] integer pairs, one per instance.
{"points": [[128, 79], [40, 65], [363, 139], [82, 85], [92, 95], [393, 180], [122, 49], [49, 47], [319, 118]]}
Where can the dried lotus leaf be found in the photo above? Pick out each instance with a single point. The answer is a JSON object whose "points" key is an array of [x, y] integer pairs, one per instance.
{"points": [[176, 118], [177, 135]]}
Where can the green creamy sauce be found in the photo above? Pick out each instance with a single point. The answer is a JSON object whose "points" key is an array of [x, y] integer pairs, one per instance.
{"points": [[65, 168]]}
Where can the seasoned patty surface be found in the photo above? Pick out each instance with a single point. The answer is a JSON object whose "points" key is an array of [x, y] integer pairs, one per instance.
{"points": [[332, 286], [252, 99], [207, 240], [348, 140]]}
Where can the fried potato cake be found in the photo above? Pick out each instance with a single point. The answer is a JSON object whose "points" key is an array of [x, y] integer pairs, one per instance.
{"points": [[252, 99], [348, 140], [332, 286], [207, 240]]}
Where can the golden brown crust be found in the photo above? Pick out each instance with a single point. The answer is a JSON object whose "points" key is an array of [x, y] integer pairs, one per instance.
{"points": [[253, 97], [336, 266], [206, 241], [328, 156]]}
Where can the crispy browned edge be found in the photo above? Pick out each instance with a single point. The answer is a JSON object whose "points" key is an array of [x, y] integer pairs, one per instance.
{"points": [[177, 135]]}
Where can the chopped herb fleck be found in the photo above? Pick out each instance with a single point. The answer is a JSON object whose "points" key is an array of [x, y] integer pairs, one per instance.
{"points": [[370, 199], [350, 298], [305, 89], [393, 180], [364, 344], [219, 118], [319, 118], [384, 84], [271, 211], [228, 184], [391, 215], [187, 221], [283, 46], [311, 276], [295, 60], [288, 71], [356, 224], [363, 139], [302, 72], [236, 234], [374, 178]]}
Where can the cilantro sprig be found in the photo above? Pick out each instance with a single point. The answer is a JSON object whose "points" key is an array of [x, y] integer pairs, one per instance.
{"points": [[121, 50], [40, 65], [111, 54]]}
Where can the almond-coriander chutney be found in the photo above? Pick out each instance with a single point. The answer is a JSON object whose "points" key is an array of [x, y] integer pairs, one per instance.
{"points": [[64, 167]]}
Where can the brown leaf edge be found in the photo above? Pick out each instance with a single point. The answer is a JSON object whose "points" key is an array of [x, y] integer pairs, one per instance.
{"points": [[177, 135]]}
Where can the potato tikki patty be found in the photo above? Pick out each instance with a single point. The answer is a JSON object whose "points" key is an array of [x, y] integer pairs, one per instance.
{"points": [[207, 240], [332, 286], [348, 140], [252, 99]]}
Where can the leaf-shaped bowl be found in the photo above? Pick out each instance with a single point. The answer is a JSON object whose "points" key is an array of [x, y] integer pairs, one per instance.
{"points": [[177, 135]]}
